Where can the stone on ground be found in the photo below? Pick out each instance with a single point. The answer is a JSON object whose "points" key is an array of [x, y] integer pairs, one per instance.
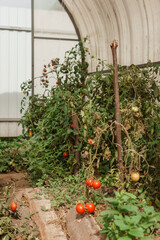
{"points": [[46, 220], [81, 227]]}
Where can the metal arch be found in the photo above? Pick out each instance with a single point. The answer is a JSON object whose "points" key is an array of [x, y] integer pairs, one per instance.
{"points": [[72, 19]]}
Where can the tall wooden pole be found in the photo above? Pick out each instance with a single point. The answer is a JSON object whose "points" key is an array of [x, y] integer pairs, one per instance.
{"points": [[114, 46], [77, 152]]}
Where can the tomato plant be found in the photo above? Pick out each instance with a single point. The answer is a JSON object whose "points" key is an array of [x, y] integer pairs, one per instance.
{"points": [[123, 217], [96, 184], [91, 98], [80, 208]]}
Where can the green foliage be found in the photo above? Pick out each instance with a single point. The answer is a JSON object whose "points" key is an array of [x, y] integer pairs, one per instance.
{"points": [[64, 191], [11, 155], [128, 218], [91, 97]]}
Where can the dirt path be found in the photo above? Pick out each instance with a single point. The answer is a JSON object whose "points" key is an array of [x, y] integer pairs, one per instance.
{"points": [[30, 207]]}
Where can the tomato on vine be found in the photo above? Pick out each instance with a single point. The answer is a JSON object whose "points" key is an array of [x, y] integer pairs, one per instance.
{"points": [[135, 176], [90, 207], [89, 182], [80, 208], [13, 206], [96, 184], [65, 154], [90, 141]]}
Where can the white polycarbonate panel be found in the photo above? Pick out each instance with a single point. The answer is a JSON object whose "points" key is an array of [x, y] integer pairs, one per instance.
{"points": [[15, 67], [9, 129], [45, 50], [51, 20], [15, 17], [16, 3], [15, 61]]}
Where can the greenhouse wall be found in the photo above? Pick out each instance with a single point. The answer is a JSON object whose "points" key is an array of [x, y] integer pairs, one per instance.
{"points": [[15, 65], [21, 58]]}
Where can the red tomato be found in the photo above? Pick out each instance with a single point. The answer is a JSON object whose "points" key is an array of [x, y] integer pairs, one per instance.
{"points": [[90, 207], [65, 154], [90, 141], [80, 208], [44, 70], [57, 82], [96, 184], [71, 125], [44, 66], [89, 182], [86, 207], [13, 206], [53, 62]]}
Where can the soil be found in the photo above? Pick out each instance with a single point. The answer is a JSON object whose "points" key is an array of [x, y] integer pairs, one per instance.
{"points": [[17, 182], [62, 214]]}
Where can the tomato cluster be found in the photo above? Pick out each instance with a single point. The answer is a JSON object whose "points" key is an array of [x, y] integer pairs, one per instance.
{"points": [[81, 209], [89, 206], [95, 184]]}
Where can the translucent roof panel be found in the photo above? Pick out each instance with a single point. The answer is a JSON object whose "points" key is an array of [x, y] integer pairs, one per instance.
{"points": [[51, 20]]}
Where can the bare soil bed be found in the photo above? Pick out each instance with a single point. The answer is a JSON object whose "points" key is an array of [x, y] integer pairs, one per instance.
{"points": [[16, 183]]}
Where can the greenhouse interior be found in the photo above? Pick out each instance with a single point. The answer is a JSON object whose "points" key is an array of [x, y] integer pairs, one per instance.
{"points": [[80, 119]]}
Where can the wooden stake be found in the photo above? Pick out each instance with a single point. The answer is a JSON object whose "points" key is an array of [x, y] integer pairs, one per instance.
{"points": [[114, 46], [77, 152]]}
